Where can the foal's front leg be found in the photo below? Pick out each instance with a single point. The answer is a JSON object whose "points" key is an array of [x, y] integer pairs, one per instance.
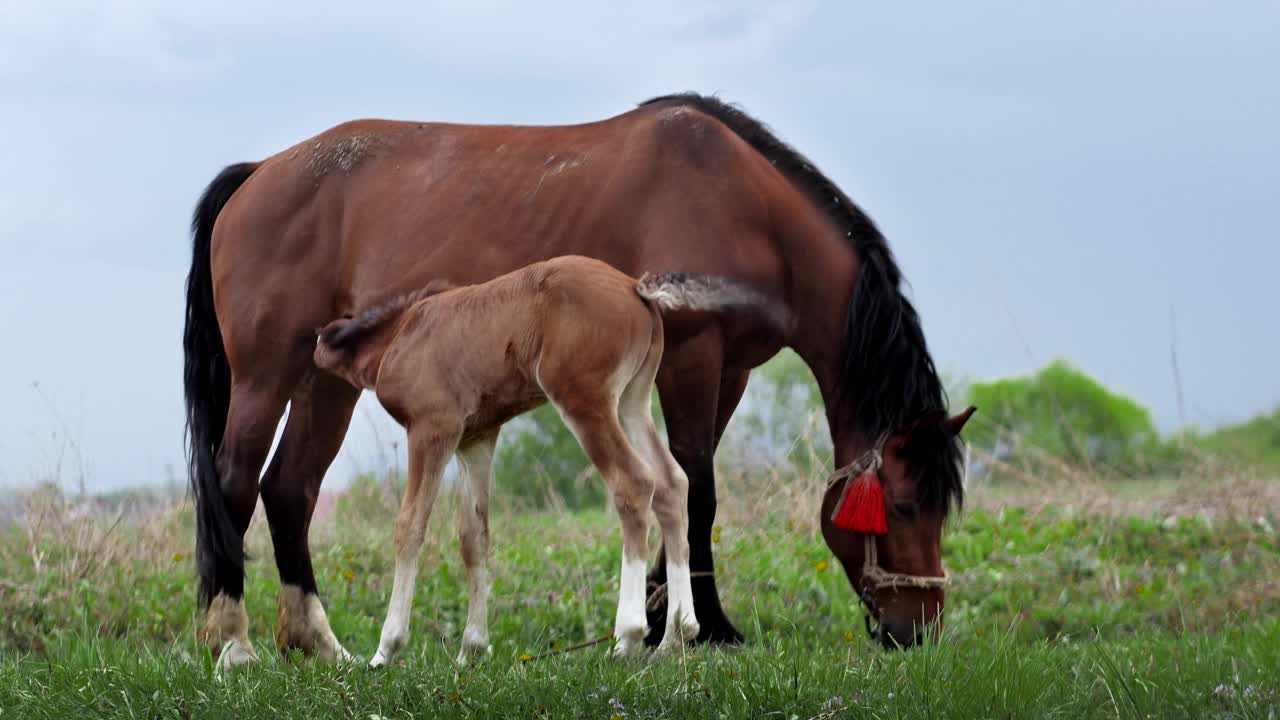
{"points": [[429, 452]]}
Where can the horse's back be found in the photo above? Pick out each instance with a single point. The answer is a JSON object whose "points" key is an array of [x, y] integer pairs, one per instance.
{"points": [[596, 329], [373, 207]]}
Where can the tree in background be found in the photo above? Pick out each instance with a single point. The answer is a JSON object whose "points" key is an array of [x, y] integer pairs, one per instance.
{"points": [[1056, 415], [1062, 413], [1253, 442]]}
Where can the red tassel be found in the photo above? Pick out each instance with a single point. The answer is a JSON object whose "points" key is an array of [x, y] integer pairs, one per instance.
{"points": [[862, 508]]}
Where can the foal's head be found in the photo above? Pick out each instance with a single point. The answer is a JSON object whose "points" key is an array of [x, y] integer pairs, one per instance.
{"points": [[920, 474]]}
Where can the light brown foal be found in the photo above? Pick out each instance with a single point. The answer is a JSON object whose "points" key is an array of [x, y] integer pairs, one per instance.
{"points": [[453, 365]]}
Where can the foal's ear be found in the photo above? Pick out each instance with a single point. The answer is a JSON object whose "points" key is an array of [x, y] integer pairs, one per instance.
{"points": [[956, 424]]}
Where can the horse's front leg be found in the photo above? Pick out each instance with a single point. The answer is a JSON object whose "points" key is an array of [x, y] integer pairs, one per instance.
{"points": [[429, 450], [693, 390]]}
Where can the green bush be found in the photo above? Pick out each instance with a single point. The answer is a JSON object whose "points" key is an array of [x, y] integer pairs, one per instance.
{"points": [[1253, 442], [1056, 414], [1063, 413]]}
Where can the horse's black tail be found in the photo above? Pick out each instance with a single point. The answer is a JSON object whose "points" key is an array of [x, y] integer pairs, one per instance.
{"points": [[207, 381], [701, 292]]}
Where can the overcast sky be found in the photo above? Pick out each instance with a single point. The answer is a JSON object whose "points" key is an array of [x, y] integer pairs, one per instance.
{"points": [[1055, 178]]}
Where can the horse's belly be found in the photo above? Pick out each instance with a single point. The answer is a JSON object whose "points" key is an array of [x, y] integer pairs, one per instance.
{"points": [[493, 415]]}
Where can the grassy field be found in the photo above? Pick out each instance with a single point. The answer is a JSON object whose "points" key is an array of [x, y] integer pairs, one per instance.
{"points": [[1151, 600]]}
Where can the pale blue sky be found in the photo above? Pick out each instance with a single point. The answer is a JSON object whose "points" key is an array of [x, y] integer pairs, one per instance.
{"points": [[1052, 178]]}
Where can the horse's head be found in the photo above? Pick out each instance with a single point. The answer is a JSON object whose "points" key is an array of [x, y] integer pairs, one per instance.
{"points": [[896, 569]]}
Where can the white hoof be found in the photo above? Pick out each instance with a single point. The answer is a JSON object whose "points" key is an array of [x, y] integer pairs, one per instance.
{"points": [[389, 648], [471, 652], [344, 657], [678, 634], [629, 641], [234, 654], [329, 650]]}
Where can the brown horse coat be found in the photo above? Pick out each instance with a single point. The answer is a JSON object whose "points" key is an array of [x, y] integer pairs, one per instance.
{"points": [[372, 208]]}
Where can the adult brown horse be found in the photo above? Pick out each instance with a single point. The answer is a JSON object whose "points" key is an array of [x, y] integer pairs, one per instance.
{"points": [[373, 208]]}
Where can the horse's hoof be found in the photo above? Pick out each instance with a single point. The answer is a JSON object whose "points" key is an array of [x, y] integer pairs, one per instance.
{"points": [[471, 652], [235, 654], [686, 631], [720, 633], [331, 651], [346, 659], [629, 641]]}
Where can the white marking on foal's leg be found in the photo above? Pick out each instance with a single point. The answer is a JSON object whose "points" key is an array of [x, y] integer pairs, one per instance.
{"points": [[227, 628], [303, 619], [630, 482], [395, 631], [475, 638], [476, 461], [682, 624], [428, 453], [631, 625]]}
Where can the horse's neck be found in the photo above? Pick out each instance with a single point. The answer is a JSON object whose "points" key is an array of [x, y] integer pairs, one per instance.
{"points": [[824, 266]]}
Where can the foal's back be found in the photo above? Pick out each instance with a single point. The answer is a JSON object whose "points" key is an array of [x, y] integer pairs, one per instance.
{"points": [[571, 328]]}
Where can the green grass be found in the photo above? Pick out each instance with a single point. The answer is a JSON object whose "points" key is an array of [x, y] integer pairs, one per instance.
{"points": [[787, 676], [1052, 614]]}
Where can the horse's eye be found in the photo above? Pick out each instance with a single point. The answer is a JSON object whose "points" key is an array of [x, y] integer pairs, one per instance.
{"points": [[905, 510]]}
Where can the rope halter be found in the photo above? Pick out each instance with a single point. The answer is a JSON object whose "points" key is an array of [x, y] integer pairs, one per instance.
{"points": [[874, 576]]}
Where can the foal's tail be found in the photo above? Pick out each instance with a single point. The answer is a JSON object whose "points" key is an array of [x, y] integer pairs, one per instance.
{"points": [[207, 382], [347, 332], [701, 292]]}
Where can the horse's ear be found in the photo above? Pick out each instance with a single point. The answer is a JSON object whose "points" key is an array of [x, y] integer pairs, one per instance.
{"points": [[956, 424]]}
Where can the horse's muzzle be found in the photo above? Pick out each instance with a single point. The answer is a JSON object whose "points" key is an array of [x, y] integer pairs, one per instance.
{"points": [[898, 635]]}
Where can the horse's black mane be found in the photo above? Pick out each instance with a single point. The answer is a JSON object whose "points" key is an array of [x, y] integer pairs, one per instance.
{"points": [[889, 379]]}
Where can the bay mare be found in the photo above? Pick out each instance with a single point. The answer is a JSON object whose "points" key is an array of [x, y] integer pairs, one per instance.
{"points": [[453, 366], [372, 208]]}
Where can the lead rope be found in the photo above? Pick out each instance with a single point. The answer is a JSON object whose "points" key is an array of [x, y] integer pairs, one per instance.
{"points": [[660, 593], [878, 578], [655, 599]]}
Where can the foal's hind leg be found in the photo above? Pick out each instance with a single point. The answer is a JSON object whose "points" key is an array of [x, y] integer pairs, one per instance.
{"points": [[430, 446], [670, 505], [698, 396], [319, 415], [594, 421], [476, 462]]}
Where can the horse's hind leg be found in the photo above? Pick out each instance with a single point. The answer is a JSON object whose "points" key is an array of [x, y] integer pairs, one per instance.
{"points": [[594, 421], [476, 462], [319, 415], [430, 446], [252, 416]]}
